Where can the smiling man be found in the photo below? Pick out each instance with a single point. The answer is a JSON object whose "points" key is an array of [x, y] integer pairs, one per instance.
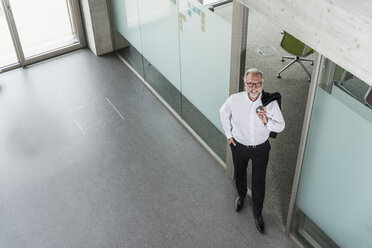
{"points": [[249, 118]]}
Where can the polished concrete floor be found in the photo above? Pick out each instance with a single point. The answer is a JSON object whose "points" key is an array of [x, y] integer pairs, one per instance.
{"points": [[90, 158]]}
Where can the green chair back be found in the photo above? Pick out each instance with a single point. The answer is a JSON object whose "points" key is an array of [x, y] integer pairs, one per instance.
{"points": [[294, 46], [341, 75]]}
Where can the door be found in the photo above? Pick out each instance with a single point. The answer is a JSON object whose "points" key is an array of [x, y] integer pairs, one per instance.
{"points": [[40, 29], [8, 55]]}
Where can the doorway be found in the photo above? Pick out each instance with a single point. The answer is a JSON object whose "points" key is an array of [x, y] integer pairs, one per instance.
{"points": [[32, 31]]}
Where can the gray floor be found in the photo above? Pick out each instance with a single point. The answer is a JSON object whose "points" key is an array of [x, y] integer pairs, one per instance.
{"points": [[89, 158]]}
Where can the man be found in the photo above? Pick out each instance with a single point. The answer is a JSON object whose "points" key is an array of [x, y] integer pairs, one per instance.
{"points": [[249, 118]]}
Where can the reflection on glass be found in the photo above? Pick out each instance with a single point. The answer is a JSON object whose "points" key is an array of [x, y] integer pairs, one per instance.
{"points": [[126, 32], [207, 2], [223, 10], [43, 25], [160, 49], [205, 42], [347, 88], [125, 20], [335, 186], [352, 85], [185, 54], [7, 53]]}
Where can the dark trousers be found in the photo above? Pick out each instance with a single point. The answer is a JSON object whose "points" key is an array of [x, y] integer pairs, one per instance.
{"points": [[260, 158]]}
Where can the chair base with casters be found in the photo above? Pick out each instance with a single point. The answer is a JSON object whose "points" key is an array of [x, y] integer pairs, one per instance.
{"points": [[297, 48], [294, 60]]}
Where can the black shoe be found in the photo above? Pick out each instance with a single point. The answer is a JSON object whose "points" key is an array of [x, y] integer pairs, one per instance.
{"points": [[259, 223], [239, 203]]}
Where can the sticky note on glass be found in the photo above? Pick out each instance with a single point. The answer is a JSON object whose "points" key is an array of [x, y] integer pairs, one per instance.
{"points": [[184, 18], [194, 8], [202, 14], [174, 1], [189, 12], [198, 11], [203, 28], [203, 21]]}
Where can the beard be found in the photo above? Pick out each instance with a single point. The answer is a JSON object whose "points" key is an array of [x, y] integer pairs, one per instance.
{"points": [[253, 95]]}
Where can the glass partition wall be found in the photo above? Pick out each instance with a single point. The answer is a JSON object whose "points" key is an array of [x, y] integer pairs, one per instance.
{"points": [[182, 50], [32, 31], [333, 205]]}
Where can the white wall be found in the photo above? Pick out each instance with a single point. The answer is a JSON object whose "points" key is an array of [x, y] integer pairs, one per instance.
{"points": [[340, 30]]}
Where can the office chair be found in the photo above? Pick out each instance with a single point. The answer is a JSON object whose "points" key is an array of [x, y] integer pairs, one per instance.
{"points": [[297, 48]]}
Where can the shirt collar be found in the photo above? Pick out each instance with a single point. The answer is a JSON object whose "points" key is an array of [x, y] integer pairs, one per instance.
{"points": [[258, 101]]}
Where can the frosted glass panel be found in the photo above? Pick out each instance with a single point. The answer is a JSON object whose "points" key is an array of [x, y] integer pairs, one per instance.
{"points": [[352, 103], [205, 41], [335, 186], [159, 32], [124, 18], [183, 50]]}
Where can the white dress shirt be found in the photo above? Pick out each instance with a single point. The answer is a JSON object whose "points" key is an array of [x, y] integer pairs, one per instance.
{"points": [[241, 122]]}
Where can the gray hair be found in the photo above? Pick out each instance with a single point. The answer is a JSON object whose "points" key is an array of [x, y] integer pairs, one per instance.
{"points": [[253, 71]]}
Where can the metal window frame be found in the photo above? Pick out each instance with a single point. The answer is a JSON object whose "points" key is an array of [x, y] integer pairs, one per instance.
{"points": [[304, 135], [14, 35]]}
